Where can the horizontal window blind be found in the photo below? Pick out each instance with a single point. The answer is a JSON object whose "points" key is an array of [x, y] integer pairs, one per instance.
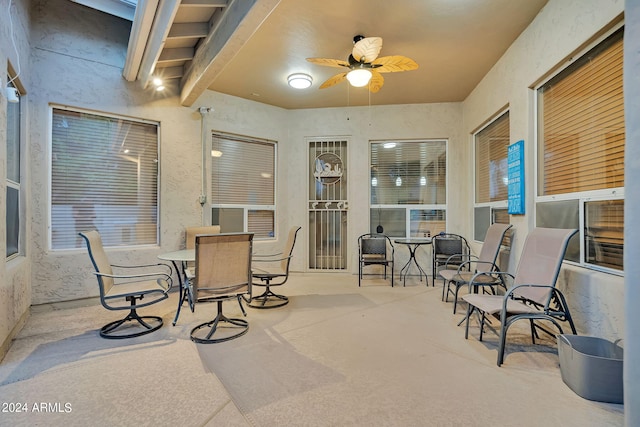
{"points": [[243, 171], [604, 233], [104, 176], [491, 145], [582, 123], [408, 172], [261, 223]]}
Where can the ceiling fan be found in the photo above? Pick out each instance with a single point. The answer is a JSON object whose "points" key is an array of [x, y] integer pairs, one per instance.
{"points": [[364, 66]]}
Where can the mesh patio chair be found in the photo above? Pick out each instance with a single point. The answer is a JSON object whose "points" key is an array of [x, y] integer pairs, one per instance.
{"points": [[223, 273], [138, 285], [455, 278], [533, 295], [190, 243], [375, 249], [273, 270], [449, 250]]}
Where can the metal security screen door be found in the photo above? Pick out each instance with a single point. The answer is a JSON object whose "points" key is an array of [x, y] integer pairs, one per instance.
{"points": [[327, 204]]}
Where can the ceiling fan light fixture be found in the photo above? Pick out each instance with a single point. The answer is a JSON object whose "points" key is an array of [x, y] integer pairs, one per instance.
{"points": [[359, 77], [300, 80]]}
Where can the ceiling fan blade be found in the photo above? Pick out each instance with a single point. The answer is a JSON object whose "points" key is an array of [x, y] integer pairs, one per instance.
{"points": [[338, 78], [376, 81], [367, 49], [329, 62], [393, 64]]}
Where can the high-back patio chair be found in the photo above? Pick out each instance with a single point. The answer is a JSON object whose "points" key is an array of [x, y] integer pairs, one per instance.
{"points": [[223, 273], [533, 295], [137, 285], [190, 243], [273, 270], [447, 249], [455, 278], [375, 249]]}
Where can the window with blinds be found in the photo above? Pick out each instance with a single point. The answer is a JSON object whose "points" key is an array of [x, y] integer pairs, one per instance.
{"points": [[581, 139], [408, 187], [581, 123], [243, 184], [104, 176], [491, 144]]}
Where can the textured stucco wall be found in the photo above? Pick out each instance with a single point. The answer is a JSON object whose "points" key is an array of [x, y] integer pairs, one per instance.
{"points": [[561, 28]]}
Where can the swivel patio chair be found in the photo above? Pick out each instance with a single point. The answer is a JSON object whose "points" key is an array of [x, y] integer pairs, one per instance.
{"points": [[375, 249], [447, 249], [223, 273], [273, 270], [149, 285], [533, 295], [455, 278]]}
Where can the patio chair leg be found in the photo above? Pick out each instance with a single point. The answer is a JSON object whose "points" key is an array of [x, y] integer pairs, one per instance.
{"points": [[503, 341], [455, 299], [470, 310]]}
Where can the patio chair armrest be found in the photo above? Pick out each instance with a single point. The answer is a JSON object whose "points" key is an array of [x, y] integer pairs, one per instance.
{"points": [[467, 264], [163, 279], [266, 255], [159, 265], [509, 294], [470, 257], [498, 273], [271, 260]]}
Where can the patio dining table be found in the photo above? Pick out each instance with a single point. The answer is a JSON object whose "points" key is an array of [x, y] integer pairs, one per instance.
{"points": [[413, 243]]}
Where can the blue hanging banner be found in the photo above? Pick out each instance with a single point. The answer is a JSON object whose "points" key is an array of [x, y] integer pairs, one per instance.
{"points": [[515, 161]]}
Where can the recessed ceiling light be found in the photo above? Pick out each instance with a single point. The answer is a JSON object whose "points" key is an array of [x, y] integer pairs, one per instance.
{"points": [[299, 80]]}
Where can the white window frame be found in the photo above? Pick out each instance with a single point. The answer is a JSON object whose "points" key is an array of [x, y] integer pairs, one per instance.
{"points": [[499, 204], [584, 196], [246, 208], [13, 184], [53, 107], [374, 209]]}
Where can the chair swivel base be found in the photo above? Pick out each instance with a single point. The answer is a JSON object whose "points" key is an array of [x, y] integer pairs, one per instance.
{"points": [[200, 335], [268, 299], [148, 323]]}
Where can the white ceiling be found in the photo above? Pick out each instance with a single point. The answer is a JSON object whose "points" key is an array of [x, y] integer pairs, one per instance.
{"points": [[248, 48]]}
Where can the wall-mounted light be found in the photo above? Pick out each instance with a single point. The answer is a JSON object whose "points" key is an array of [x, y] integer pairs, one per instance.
{"points": [[398, 182], [299, 80], [158, 83], [359, 77], [374, 182]]}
